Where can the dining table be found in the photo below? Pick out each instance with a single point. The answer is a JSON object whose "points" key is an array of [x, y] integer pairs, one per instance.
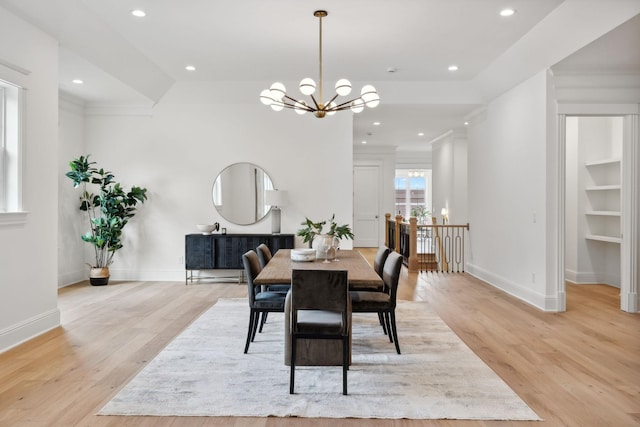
{"points": [[360, 273]]}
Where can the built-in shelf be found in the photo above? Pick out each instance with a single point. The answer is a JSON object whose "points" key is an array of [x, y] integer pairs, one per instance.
{"points": [[603, 187], [603, 200], [602, 162], [603, 238], [603, 213]]}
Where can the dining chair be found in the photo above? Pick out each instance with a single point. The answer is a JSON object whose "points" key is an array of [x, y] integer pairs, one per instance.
{"points": [[264, 256], [260, 302], [383, 303], [320, 310], [378, 264], [380, 258]]}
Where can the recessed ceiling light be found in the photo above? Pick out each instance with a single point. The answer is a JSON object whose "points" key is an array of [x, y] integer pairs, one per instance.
{"points": [[466, 123], [364, 142], [77, 81], [376, 123], [420, 134], [453, 68], [392, 70], [507, 12], [139, 13], [190, 68]]}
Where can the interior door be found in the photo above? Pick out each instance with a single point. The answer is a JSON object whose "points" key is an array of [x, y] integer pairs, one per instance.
{"points": [[366, 206]]}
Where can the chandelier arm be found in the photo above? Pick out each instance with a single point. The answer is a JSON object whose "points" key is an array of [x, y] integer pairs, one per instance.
{"points": [[344, 105], [342, 108], [329, 103], [300, 105], [316, 103]]}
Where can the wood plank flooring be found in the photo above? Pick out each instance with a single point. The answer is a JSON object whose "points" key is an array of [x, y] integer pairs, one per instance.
{"points": [[579, 368]]}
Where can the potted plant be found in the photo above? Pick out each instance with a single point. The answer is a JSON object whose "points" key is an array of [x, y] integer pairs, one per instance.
{"points": [[335, 233], [421, 213], [108, 212]]}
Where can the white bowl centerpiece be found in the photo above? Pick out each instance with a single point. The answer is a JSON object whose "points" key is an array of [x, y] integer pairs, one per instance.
{"points": [[207, 228]]}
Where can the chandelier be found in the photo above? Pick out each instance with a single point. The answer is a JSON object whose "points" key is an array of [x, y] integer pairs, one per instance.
{"points": [[276, 96]]}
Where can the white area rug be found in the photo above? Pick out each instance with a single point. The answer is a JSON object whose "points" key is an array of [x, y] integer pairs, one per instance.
{"points": [[204, 372]]}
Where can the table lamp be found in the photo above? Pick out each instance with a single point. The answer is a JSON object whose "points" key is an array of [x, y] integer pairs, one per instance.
{"points": [[276, 199]]}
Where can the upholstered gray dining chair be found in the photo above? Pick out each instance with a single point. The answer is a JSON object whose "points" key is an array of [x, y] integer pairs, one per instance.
{"points": [[378, 264], [264, 256], [383, 303], [320, 310], [260, 302], [379, 259]]}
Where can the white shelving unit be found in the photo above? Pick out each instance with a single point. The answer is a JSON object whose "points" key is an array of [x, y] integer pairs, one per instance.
{"points": [[603, 193]]}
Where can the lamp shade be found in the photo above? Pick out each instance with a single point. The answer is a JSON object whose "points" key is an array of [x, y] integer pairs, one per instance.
{"points": [[276, 198]]}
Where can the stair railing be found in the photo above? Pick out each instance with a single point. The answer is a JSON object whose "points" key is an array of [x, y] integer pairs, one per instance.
{"points": [[427, 247]]}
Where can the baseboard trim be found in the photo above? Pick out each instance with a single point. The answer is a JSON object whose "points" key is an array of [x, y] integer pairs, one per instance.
{"points": [[542, 302], [28, 329]]}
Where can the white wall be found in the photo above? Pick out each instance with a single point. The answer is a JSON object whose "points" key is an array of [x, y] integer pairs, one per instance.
{"points": [[507, 157], [450, 178], [28, 291], [177, 151], [71, 222]]}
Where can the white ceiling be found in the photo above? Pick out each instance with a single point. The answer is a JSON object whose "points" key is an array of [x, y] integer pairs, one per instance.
{"points": [[252, 43]]}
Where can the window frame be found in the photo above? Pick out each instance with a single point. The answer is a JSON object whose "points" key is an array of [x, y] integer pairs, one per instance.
{"points": [[11, 154]]}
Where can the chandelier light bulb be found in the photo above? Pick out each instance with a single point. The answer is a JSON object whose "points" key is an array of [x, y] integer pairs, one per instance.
{"points": [[277, 105], [307, 86], [343, 87], [369, 96], [265, 97], [277, 91], [357, 105], [330, 109]]}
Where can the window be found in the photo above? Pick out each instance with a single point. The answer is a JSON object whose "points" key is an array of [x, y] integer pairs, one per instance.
{"points": [[10, 154], [413, 190]]}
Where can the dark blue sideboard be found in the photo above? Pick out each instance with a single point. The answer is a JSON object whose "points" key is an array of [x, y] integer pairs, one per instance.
{"points": [[224, 251]]}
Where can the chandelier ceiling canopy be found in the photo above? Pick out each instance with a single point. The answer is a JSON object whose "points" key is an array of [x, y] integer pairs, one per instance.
{"points": [[277, 98]]}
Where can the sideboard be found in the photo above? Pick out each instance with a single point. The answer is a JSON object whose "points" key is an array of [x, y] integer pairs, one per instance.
{"points": [[224, 251]]}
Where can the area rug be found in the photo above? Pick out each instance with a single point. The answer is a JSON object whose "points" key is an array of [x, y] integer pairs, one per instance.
{"points": [[204, 372]]}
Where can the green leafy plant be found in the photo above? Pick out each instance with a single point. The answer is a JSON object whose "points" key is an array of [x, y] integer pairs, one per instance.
{"points": [[108, 211], [312, 229], [420, 212]]}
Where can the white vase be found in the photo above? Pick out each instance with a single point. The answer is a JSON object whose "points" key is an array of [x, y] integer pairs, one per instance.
{"points": [[320, 242]]}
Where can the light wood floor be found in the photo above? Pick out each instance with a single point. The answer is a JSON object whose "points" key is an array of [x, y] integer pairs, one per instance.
{"points": [[579, 368]]}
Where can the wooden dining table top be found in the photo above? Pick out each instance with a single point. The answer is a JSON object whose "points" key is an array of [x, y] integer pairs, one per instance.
{"points": [[360, 273]]}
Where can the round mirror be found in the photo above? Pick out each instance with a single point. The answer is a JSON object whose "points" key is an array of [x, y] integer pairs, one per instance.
{"points": [[239, 193]]}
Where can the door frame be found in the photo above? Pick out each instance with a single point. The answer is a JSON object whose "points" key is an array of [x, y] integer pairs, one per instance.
{"points": [[628, 198]]}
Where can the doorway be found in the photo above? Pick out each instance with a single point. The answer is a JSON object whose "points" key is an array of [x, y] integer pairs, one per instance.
{"points": [[598, 203], [367, 182]]}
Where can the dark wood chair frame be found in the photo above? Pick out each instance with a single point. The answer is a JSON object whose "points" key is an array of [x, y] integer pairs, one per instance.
{"points": [[320, 290]]}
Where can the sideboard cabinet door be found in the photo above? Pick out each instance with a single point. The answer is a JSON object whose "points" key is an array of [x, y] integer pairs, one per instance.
{"points": [[199, 252]]}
